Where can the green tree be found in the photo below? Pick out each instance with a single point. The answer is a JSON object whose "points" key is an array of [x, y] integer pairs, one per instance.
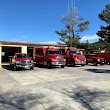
{"points": [[104, 32], [73, 26]]}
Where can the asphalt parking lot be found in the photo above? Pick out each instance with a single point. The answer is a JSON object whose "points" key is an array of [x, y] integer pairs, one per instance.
{"points": [[69, 88]]}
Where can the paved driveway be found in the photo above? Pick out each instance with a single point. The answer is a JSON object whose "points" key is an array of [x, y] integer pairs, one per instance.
{"points": [[69, 88]]}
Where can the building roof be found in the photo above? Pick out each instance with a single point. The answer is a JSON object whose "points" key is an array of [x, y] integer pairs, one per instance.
{"points": [[29, 43]]}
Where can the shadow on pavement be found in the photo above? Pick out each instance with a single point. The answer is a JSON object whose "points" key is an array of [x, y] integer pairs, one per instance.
{"points": [[98, 71], [7, 67], [89, 99], [86, 98], [22, 101], [18, 101]]}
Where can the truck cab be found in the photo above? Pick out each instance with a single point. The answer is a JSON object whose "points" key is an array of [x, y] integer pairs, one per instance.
{"points": [[21, 60], [73, 56], [49, 56]]}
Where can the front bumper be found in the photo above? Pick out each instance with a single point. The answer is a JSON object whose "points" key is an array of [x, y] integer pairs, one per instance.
{"points": [[80, 62], [101, 62], [58, 63], [24, 66]]}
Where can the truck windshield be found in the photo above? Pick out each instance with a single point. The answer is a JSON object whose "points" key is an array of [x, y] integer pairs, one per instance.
{"points": [[23, 56], [54, 52], [93, 56], [76, 52]]}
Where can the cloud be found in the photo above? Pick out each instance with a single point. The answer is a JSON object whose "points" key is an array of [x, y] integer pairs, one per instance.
{"points": [[90, 38]]}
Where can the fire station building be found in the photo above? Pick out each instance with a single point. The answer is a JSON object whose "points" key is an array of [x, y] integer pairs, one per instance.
{"points": [[9, 48]]}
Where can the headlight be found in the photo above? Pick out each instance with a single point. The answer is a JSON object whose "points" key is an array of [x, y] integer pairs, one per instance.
{"points": [[85, 59], [54, 60], [98, 60], [64, 59], [32, 61], [76, 59]]}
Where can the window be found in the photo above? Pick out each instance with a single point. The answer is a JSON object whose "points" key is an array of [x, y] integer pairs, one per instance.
{"points": [[39, 51], [76, 52], [54, 52]]}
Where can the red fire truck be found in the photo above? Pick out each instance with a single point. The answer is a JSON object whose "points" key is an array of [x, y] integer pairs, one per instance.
{"points": [[105, 55], [49, 56], [73, 56]]}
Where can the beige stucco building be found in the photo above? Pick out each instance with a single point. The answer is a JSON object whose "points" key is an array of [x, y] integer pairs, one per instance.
{"points": [[9, 48]]}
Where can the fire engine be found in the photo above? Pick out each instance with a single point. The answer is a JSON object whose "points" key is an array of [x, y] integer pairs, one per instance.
{"points": [[73, 56], [49, 56], [94, 59], [105, 55]]}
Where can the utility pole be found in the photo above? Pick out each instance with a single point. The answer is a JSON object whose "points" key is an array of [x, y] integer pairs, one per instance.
{"points": [[71, 16]]}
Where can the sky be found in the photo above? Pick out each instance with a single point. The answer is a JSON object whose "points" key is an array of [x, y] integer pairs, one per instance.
{"points": [[37, 20]]}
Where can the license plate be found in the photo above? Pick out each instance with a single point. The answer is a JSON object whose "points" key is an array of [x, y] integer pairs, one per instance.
{"points": [[27, 67]]}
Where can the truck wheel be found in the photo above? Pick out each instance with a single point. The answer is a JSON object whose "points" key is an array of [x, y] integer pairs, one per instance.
{"points": [[86, 63], [101, 64], [32, 68], [72, 63], [49, 65], [10, 65], [37, 63], [62, 66], [66, 63], [14, 68], [95, 63]]}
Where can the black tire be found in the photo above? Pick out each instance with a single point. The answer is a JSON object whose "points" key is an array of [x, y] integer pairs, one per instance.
{"points": [[32, 68], [86, 63], [37, 63], [62, 66], [14, 67], [72, 63], [95, 63], [101, 64], [10, 65], [49, 65], [66, 64]]}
